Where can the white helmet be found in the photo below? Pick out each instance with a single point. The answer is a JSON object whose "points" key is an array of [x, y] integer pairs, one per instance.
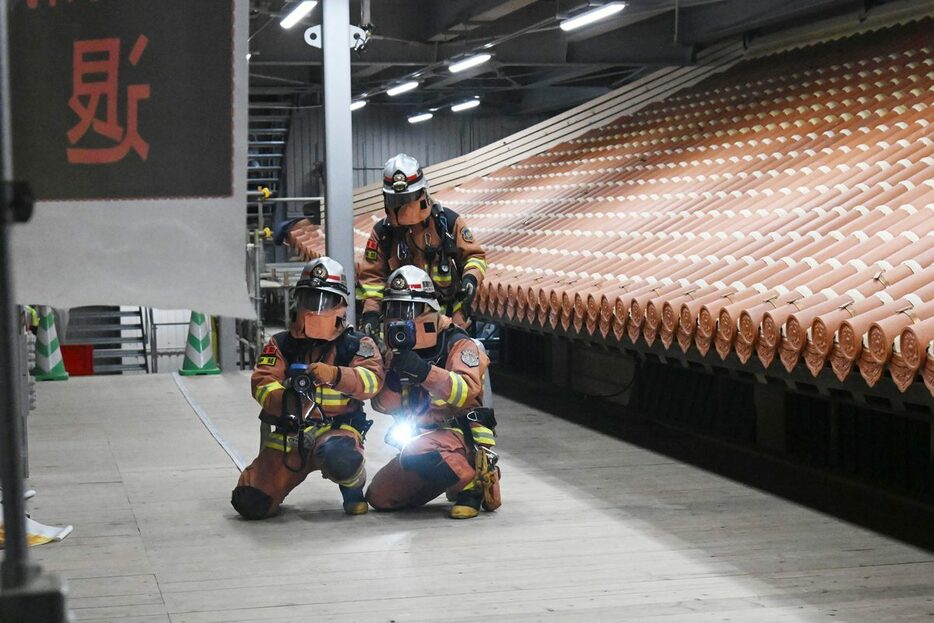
{"points": [[323, 275], [410, 284], [410, 295], [403, 183]]}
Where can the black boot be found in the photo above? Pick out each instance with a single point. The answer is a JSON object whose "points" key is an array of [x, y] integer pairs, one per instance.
{"points": [[468, 503], [354, 501]]}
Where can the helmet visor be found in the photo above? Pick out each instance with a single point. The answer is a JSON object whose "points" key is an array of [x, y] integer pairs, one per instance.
{"points": [[402, 310], [317, 300], [394, 201]]}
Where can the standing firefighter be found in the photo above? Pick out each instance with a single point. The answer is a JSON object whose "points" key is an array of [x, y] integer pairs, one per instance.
{"points": [[418, 231], [310, 382], [434, 387]]}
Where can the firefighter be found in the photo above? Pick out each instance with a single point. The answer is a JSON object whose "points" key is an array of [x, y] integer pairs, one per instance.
{"points": [[418, 231], [344, 367], [435, 384]]}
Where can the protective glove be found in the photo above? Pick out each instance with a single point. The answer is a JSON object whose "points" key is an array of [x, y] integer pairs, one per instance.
{"points": [[370, 323], [410, 367], [324, 374], [468, 290]]}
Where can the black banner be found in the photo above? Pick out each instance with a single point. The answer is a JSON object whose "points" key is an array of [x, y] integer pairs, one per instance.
{"points": [[122, 98]]}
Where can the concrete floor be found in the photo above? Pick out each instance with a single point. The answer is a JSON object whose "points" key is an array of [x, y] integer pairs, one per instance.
{"points": [[592, 529]]}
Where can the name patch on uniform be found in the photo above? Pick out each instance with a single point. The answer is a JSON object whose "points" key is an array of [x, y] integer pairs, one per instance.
{"points": [[269, 349], [366, 349], [267, 360], [370, 255], [470, 357], [467, 234]]}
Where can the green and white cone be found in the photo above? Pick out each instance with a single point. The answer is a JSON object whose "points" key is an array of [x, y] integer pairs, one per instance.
{"points": [[49, 364], [199, 352]]}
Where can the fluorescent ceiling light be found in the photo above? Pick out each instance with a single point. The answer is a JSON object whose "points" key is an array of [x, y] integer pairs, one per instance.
{"points": [[357, 104], [592, 16], [465, 105], [425, 116], [470, 61], [402, 88], [300, 11]]}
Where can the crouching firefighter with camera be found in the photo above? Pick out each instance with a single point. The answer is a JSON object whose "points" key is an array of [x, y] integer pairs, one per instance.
{"points": [[310, 382], [434, 387]]}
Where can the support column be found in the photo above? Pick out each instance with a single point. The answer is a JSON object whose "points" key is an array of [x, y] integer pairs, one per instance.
{"points": [[338, 139], [770, 417], [228, 348]]}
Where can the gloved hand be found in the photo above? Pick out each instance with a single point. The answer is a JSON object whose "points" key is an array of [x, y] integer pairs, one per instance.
{"points": [[468, 290], [410, 367], [324, 373], [370, 323]]}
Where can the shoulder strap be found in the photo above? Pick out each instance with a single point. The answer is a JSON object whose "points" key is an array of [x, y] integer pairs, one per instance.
{"points": [[445, 219], [290, 348], [347, 345], [384, 235]]}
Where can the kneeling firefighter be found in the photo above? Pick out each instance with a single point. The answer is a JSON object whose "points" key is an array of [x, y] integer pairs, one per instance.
{"points": [[435, 386], [310, 381]]}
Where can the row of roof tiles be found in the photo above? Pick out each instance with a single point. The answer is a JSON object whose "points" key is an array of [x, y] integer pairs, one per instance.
{"points": [[782, 210]]}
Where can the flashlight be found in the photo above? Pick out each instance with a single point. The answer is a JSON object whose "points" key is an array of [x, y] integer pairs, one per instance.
{"points": [[400, 433]]}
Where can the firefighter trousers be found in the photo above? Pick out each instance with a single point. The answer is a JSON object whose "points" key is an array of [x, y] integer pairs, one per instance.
{"points": [[262, 487], [428, 465]]}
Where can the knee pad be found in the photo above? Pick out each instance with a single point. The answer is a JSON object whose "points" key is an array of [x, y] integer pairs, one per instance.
{"points": [[340, 458], [431, 467], [250, 502]]}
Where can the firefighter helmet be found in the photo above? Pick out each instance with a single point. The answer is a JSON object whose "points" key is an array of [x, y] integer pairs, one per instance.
{"points": [[410, 284], [321, 298], [324, 275], [404, 182], [410, 295]]}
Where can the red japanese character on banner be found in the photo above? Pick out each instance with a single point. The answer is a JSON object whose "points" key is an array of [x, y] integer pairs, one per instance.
{"points": [[96, 58]]}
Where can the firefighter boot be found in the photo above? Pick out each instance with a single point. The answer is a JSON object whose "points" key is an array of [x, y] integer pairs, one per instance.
{"points": [[354, 502], [468, 502]]}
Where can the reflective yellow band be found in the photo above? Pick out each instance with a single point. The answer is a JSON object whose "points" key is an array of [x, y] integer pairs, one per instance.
{"points": [[370, 381], [482, 434], [372, 291], [470, 485], [457, 306], [285, 443], [474, 262], [264, 390], [327, 397], [458, 395]]}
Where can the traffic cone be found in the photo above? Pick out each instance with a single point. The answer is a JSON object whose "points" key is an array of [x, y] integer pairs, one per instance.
{"points": [[49, 364], [199, 352]]}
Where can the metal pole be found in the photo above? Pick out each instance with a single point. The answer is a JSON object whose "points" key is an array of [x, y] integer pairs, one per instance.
{"points": [[16, 570], [338, 154]]}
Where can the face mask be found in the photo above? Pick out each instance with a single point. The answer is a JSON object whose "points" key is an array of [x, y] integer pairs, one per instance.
{"points": [[412, 213], [426, 330], [326, 325]]}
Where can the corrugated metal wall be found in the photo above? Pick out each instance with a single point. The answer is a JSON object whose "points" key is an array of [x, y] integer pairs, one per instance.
{"points": [[380, 132]]}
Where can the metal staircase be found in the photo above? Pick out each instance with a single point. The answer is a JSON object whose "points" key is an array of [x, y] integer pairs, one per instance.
{"points": [[268, 133], [118, 336]]}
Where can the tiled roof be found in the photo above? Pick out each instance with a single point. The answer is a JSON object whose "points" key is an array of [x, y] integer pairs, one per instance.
{"points": [[782, 210]]}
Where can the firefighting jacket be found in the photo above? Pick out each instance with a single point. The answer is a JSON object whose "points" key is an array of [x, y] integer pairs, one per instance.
{"points": [[361, 371], [420, 245], [453, 387]]}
